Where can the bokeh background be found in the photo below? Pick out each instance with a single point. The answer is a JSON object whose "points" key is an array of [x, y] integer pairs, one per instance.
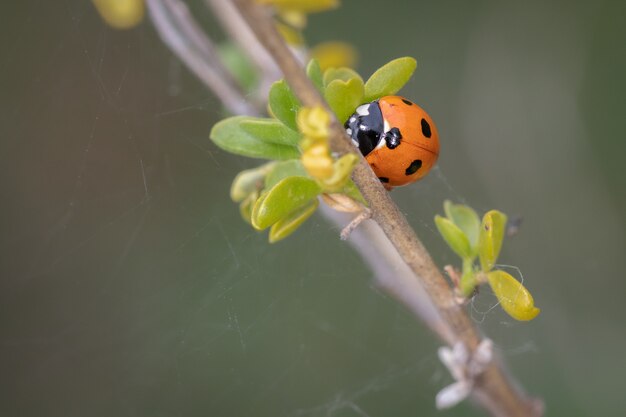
{"points": [[129, 286]]}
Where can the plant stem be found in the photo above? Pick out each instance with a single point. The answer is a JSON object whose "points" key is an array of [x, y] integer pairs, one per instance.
{"points": [[493, 389]]}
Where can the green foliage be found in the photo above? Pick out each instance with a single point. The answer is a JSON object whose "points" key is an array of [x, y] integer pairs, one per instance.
{"points": [[282, 170], [270, 131], [389, 78], [249, 181], [514, 298], [466, 219], [229, 135], [284, 198], [454, 236], [314, 72], [290, 223], [344, 96], [343, 74], [469, 238], [283, 104], [283, 193], [491, 236]]}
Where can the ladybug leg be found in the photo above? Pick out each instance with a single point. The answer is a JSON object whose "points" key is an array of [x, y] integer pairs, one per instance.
{"points": [[393, 138]]}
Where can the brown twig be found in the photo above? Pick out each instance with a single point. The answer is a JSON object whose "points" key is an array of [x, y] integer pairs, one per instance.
{"points": [[494, 390]]}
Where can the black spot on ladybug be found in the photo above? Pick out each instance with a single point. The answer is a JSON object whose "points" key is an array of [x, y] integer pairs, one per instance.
{"points": [[415, 165], [407, 102], [393, 138], [426, 128], [384, 179]]}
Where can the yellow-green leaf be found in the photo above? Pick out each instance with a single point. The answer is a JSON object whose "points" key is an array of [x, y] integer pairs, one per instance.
{"points": [[466, 219], [229, 135], [490, 238], [314, 72], [344, 97], [343, 74], [249, 181], [513, 297], [245, 208], [282, 170], [283, 104], [389, 78], [270, 130], [287, 225], [287, 196], [351, 190], [342, 170], [454, 237]]}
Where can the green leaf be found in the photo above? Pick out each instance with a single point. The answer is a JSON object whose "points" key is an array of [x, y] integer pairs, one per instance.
{"points": [[389, 78], [466, 219], [245, 208], [343, 74], [238, 64], [352, 191], [287, 196], [314, 72], [454, 237], [270, 130], [249, 181], [282, 170], [284, 104], [287, 225], [344, 97], [342, 170], [490, 238], [230, 136], [514, 298]]}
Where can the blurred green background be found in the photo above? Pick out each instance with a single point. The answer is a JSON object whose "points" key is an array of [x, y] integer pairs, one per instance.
{"points": [[129, 285]]}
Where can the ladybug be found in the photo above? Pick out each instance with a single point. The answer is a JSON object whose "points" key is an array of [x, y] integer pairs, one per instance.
{"points": [[397, 138]]}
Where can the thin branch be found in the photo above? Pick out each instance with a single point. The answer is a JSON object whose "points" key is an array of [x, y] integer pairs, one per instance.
{"points": [[494, 390], [184, 37], [236, 28]]}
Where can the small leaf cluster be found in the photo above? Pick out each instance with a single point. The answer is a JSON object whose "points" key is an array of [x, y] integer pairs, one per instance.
{"points": [[282, 194], [471, 238]]}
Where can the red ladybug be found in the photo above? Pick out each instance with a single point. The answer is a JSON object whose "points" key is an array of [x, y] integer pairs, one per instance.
{"points": [[397, 137]]}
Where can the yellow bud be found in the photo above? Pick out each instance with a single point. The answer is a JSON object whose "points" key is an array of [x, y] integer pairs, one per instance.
{"points": [[334, 55], [120, 14], [291, 36], [342, 169], [318, 162], [313, 122], [294, 18]]}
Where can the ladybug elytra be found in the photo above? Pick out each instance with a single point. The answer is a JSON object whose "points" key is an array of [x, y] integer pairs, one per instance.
{"points": [[397, 138]]}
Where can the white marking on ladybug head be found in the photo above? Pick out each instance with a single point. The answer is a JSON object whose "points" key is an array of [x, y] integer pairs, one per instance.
{"points": [[363, 110], [349, 131]]}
